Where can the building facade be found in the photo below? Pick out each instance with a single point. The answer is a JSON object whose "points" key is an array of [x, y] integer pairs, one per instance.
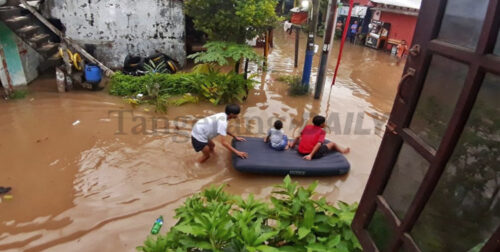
{"points": [[400, 14], [115, 28]]}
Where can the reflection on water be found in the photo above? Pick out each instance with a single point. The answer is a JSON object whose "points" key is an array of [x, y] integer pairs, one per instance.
{"points": [[85, 188]]}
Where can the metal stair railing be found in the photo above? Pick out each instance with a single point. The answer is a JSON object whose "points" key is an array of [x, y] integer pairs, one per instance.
{"points": [[67, 40]]}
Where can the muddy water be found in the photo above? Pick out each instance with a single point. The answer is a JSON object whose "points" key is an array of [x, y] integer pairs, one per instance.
{"points": [[99, 184]]}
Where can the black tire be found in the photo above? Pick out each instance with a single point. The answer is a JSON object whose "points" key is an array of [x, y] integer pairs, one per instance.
{"points": [[170, 63], [133, 65]]}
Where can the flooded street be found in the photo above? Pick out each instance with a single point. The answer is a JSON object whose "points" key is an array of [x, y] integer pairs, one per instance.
{"points": [[90, 173]]}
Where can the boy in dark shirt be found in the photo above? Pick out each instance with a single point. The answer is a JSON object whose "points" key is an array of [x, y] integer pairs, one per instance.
{"points": [[312, 141]]}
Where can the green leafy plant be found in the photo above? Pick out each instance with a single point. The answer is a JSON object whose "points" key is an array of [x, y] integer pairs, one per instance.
{"points": [[18, 94], [295, 85], [213, 86], [232, 20], [224, 88], [206, 68], [221, 53], [186, 98], [293, 221], [152, 68]]}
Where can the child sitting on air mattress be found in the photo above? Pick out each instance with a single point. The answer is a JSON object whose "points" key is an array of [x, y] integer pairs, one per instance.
{"points": [[312, 141], [276, 137]]}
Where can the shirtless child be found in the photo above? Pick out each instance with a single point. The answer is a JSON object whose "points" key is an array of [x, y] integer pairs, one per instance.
{"points": [[210, 127]]}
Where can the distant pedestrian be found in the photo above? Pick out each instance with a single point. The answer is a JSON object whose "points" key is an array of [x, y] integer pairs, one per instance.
{"points": [[402, 51], [287, 26], [353, 31]]}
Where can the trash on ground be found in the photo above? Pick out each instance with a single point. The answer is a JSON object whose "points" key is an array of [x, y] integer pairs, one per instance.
{"points": [[76, 122], [4, 190], [8, 197], [157, 225]]}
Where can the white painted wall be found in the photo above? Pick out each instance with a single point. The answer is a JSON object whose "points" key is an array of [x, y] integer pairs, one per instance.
{"points": [[120, 27]]}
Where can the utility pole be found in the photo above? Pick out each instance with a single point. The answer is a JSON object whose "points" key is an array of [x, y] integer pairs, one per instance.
{"points": [[297, 39], [327, 44], [306, 73]]}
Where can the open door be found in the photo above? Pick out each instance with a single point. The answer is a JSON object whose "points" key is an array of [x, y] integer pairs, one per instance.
{"points": [[436, 179]]}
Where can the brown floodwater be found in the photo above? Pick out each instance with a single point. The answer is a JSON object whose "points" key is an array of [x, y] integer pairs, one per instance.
{"points": [[90, 173]]}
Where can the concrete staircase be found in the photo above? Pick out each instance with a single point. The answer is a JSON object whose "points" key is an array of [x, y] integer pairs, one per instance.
{"points": [[32, 31]]}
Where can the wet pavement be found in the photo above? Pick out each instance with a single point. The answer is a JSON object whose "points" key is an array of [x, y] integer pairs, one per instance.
{"points": [[99, 184]]}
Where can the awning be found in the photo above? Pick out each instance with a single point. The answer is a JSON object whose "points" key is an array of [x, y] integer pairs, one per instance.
{"points": [[413, 4]]}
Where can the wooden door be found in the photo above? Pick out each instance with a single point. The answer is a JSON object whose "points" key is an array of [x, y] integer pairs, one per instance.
{"points": [[436, 179]]}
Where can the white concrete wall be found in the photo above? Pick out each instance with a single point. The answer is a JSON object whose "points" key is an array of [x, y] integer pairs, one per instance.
{"points": [[121, 27]]}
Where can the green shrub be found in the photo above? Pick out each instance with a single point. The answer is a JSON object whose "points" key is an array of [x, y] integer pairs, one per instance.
{"points": [[18, 94], [221, 53], [232, 20], [224, 88], [295, 85], [216, 221], [173, 84], [214, 86], [186, 98]]}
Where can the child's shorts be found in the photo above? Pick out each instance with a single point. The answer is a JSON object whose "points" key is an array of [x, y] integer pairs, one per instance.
{"points": [[323, 150], [197, 145]]}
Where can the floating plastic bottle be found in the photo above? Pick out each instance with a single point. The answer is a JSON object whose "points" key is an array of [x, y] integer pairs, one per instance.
{"points": [[157, 225]]}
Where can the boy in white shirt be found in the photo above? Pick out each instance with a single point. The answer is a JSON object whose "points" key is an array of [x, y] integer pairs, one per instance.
{"points": [[204, 130]]}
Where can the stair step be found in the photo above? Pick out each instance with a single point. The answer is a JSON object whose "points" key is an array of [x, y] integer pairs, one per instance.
{"points": [[28, 28], [17, 19], [47, 47], [39, 37]]}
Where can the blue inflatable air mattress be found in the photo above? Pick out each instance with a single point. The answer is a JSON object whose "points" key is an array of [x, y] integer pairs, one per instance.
{"points": [[264, 160]]}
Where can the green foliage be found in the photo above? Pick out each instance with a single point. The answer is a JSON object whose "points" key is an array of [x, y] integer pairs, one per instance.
{"points": [[216, 221], [186, 98], [214, 86], [232, 20], [205, 68], [296, 88], [224, 88], [221, 52], [173, 84], [152, 68], [18, 94]]}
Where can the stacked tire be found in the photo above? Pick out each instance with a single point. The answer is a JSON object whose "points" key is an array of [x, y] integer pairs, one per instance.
{"points": [[134, 65]]}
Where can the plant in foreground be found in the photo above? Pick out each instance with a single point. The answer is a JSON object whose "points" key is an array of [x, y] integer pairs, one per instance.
{"points": [[293, 221]]}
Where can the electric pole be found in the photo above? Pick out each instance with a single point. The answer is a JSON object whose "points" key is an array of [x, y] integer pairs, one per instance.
{"points": [[306, 73], [327, 45]]}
